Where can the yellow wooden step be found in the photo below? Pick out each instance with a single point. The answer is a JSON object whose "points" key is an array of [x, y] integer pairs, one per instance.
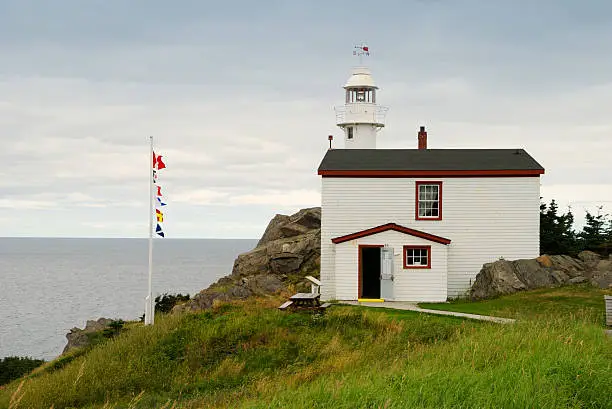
{"points": [[370, 300]]}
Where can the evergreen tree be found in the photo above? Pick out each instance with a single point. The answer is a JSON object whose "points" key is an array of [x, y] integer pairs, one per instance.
{"points": [[595, 235], [557, 235]]}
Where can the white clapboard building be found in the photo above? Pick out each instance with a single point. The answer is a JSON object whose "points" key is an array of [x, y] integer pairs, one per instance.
{"points": [[418, 224]]}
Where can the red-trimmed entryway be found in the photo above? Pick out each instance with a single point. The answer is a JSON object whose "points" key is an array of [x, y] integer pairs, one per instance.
{"points": [[369, 270]]}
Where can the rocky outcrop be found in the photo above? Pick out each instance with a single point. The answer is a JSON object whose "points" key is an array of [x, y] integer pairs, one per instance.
{"points": [[506, 277], [289, 249], [78, 338]]}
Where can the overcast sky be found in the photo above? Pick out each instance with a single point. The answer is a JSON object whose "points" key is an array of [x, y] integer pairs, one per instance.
{"points": [[240, 97]]}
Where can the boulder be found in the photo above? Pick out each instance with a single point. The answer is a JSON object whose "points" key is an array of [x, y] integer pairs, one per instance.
{"points": [[589, 257], [289, 250], [496, 279], [507, 277], [78, 338], [578, 280], [282, 227]]}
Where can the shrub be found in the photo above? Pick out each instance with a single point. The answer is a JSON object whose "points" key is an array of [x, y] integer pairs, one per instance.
{"points": [[13, 367], [114, 328], [165, 302]]}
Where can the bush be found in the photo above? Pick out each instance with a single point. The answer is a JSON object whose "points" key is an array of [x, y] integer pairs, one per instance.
{"points": [[114, 328], [165, 302], [13, 367]]}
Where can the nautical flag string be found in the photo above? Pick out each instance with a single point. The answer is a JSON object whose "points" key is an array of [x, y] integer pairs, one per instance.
{"points": [[158, 164], [158, 230], [156, 218]]}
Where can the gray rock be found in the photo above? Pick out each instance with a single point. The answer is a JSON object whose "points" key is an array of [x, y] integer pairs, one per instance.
{"points": [[265, 284], [604, 265], [496, 279], [296, 253], [589, 256], [569, 265], [603, 280], [290, 248], [282, 227], [285, 263], [532, 274], [507, 277], [78, 338], [578, 280], [559, 276]]}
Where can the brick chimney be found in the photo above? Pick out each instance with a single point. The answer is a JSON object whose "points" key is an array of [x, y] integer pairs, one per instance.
{"points": [[422, 138]]}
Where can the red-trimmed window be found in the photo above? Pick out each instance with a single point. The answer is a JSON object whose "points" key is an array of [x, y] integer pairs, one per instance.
{"points": [[428, 200], [417, 256]]}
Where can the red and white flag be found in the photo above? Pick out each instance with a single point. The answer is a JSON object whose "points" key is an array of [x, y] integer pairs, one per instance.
{"points": [[158, 163], [361, 50]]}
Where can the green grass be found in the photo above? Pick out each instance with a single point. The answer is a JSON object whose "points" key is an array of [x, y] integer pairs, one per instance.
{"points": [[251, 355], [582, 301]]}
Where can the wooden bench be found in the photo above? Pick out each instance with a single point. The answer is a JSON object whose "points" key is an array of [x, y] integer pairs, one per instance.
{"points": [[305, 301], [608, 301], [285, 305], [315, 284]]}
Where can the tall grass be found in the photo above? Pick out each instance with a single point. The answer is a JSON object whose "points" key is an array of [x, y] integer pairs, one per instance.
{"points": [[223, 351], [583, 302], [554, 364], [251, 355]]}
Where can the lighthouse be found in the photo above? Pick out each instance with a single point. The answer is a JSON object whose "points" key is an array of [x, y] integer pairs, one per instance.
{"points": [[361, 118]]}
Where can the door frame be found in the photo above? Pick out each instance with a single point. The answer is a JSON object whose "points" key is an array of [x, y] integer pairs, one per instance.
{"points": [[360, 273]]}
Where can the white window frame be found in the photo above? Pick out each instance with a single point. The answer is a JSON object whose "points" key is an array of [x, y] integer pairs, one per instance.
{"points": [[424, 256], [428, 194]]}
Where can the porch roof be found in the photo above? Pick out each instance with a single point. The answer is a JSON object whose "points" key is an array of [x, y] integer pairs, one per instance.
{"points": [[391, 226]]}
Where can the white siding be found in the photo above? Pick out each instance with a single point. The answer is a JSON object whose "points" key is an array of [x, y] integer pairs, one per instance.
{"points": [[486, 218], [408, 284]]}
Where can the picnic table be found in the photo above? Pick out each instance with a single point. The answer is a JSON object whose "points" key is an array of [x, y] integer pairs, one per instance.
{"points": [[304, 301]]}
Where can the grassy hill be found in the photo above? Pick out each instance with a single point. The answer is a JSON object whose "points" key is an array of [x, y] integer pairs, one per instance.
{"points": [[249, 355]]}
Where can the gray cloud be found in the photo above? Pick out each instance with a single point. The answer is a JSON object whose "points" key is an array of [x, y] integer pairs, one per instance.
{"points": [[239, 96]]}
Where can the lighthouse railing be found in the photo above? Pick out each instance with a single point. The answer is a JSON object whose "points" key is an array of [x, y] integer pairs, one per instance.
{"points": [[361, 113]]}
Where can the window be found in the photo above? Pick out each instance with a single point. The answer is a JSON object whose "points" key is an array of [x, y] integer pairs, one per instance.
{"points": [[429, 200], [417, 256], [349, 132], [361, 95]]}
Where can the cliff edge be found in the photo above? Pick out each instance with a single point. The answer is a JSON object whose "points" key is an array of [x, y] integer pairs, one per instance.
{"points": [[289, 250]]}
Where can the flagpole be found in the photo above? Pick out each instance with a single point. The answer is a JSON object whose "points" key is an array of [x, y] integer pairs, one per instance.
{"points": [[150, 305]]}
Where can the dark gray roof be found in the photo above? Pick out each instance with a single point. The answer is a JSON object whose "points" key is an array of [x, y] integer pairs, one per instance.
{"points": [[428, 159]]}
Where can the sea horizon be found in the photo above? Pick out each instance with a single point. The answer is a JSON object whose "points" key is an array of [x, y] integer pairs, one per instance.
{"points": [[52, 284]]}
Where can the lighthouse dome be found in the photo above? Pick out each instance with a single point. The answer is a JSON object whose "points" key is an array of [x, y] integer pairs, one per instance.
{"points": [[361, 77]]}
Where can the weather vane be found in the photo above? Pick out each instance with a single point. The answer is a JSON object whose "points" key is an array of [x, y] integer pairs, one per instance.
{"points": [[360, 51]]}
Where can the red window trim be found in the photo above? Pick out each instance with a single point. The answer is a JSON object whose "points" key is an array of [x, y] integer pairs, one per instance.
{"points": [[428, 248], [416, 203]]}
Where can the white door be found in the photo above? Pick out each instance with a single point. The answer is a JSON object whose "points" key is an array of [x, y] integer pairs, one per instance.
{"points": [[386, 273]]}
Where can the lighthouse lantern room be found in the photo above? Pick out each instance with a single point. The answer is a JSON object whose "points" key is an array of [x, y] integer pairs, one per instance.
{"points": [[360, 118]]}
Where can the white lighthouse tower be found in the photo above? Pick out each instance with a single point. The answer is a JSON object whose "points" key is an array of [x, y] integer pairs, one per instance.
{"points": [[360, 118]]}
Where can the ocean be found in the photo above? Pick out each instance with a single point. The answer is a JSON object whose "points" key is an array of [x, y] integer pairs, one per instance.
{"points": [[50, 285]]}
